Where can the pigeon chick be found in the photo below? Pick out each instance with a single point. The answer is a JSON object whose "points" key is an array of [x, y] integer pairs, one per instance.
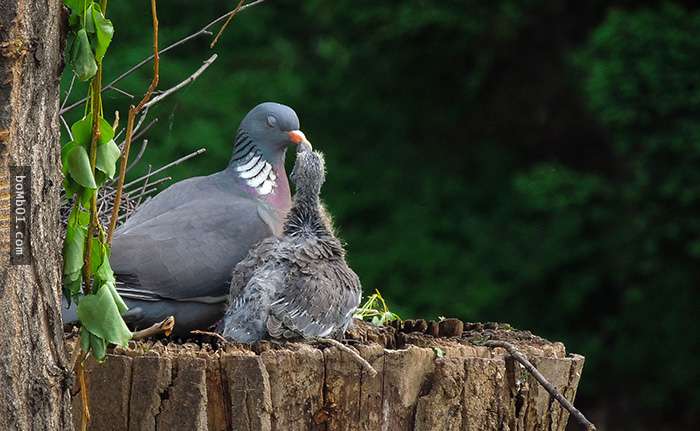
{"points": [[297, 285]]}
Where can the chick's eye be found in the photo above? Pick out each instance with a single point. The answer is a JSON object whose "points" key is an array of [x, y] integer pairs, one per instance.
{"points": [[271, 121]]}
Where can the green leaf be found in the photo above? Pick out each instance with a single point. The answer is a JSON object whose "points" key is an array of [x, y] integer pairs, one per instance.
{"points": [[82, 131], [77, 7], [79, 167], [84, 339], [82, 59], [121, 305], [439, 352], [104, 29], [73, 249], [100, 314], [107, 156], [99, 347], [106, 131], [64, 156]]}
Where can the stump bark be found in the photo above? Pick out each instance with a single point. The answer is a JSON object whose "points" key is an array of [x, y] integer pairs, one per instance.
{"points": [[423, 383], [34, 369]]}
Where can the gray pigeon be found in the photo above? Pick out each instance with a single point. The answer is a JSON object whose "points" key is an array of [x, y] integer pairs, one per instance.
{"points": [[297, 285], [174, 255]]}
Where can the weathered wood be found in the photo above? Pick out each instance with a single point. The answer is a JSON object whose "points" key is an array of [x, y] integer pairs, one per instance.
{"points": [[430, 384], [34, 370]]}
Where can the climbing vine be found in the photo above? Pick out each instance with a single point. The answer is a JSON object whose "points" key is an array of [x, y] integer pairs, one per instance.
{"points": [[88, 162]]}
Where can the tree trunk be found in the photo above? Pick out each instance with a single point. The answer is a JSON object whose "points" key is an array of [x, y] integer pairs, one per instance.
{"points": [[34, 374], [423, 383]]}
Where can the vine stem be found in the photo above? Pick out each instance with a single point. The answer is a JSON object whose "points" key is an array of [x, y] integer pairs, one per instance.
{"points": [[96, 108], [133, 110]]}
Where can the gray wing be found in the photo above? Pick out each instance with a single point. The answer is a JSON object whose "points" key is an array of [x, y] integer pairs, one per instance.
{"points": [[317, 301], [187, 252]]}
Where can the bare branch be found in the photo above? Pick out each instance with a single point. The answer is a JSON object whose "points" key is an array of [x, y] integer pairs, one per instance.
{"points": [[133, 111], [513, 351], [164, 327], [171, 164], [119, 90], [187, 81], [140, 153], [65, 124], [70, 88], [228, 20], [355, 356], [201, 32]]}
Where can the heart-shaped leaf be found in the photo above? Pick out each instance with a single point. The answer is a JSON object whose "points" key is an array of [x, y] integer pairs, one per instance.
{"points": [[79, 167], [100, 314], [73, 249], [107, 156], [82, 131], [82, 58], [104, 30]]}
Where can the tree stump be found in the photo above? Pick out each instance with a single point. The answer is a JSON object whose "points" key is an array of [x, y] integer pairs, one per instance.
{"points": [[422, 383]]}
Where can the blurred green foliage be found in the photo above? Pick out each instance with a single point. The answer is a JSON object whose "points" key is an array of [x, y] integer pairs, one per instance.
{"points": [[534, 162]]}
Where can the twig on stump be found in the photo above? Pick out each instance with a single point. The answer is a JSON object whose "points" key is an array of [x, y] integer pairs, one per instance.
{"points": [[515, 353], [164, 327], [211, 334], [355, 356]]}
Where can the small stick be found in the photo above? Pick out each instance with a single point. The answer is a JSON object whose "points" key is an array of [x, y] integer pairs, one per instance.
{"points": [[211, 334], [70, 88], [162, 168], [65, 124], [85, 416], [191, 78], [356, 356], [164, 327], [137, 159], [513, 351], [228, 20], [119, 90]]}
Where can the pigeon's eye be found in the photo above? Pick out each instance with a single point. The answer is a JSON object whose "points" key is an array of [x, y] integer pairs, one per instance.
{"points": [[271, 121]]}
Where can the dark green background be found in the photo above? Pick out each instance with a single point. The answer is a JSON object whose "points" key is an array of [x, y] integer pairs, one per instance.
{"points": [[535, 162]]}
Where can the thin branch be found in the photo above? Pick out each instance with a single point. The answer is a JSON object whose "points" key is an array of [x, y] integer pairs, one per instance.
{"points": [[164, 327], [119, 90], [159, 181], [211, 334], [65, 124], [70, 88], [187, 81], [201, 32], [228, 20], [130, 126], [145, 184], [140, 153], [513, 351], [161, 169], [355, 356]]}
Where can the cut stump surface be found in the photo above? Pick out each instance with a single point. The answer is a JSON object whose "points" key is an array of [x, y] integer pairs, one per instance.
{"points": [[448, 382]]}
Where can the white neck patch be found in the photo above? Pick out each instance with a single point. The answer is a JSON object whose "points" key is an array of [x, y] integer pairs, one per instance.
{"points": [[257, 172]]}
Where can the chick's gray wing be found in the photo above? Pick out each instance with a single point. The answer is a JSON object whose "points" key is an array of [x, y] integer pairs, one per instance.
{"points": [[317, 301], [188, 251]]}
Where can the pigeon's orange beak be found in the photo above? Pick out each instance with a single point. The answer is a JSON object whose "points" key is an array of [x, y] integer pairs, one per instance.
{"points": [[296, 136]]}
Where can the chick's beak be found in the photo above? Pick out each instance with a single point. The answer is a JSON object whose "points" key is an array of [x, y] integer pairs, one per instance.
{"points": [[297, 136]]}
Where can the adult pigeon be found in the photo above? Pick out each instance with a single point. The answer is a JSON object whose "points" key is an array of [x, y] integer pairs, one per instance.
{"points": [[174, 255], [297, 285]]}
